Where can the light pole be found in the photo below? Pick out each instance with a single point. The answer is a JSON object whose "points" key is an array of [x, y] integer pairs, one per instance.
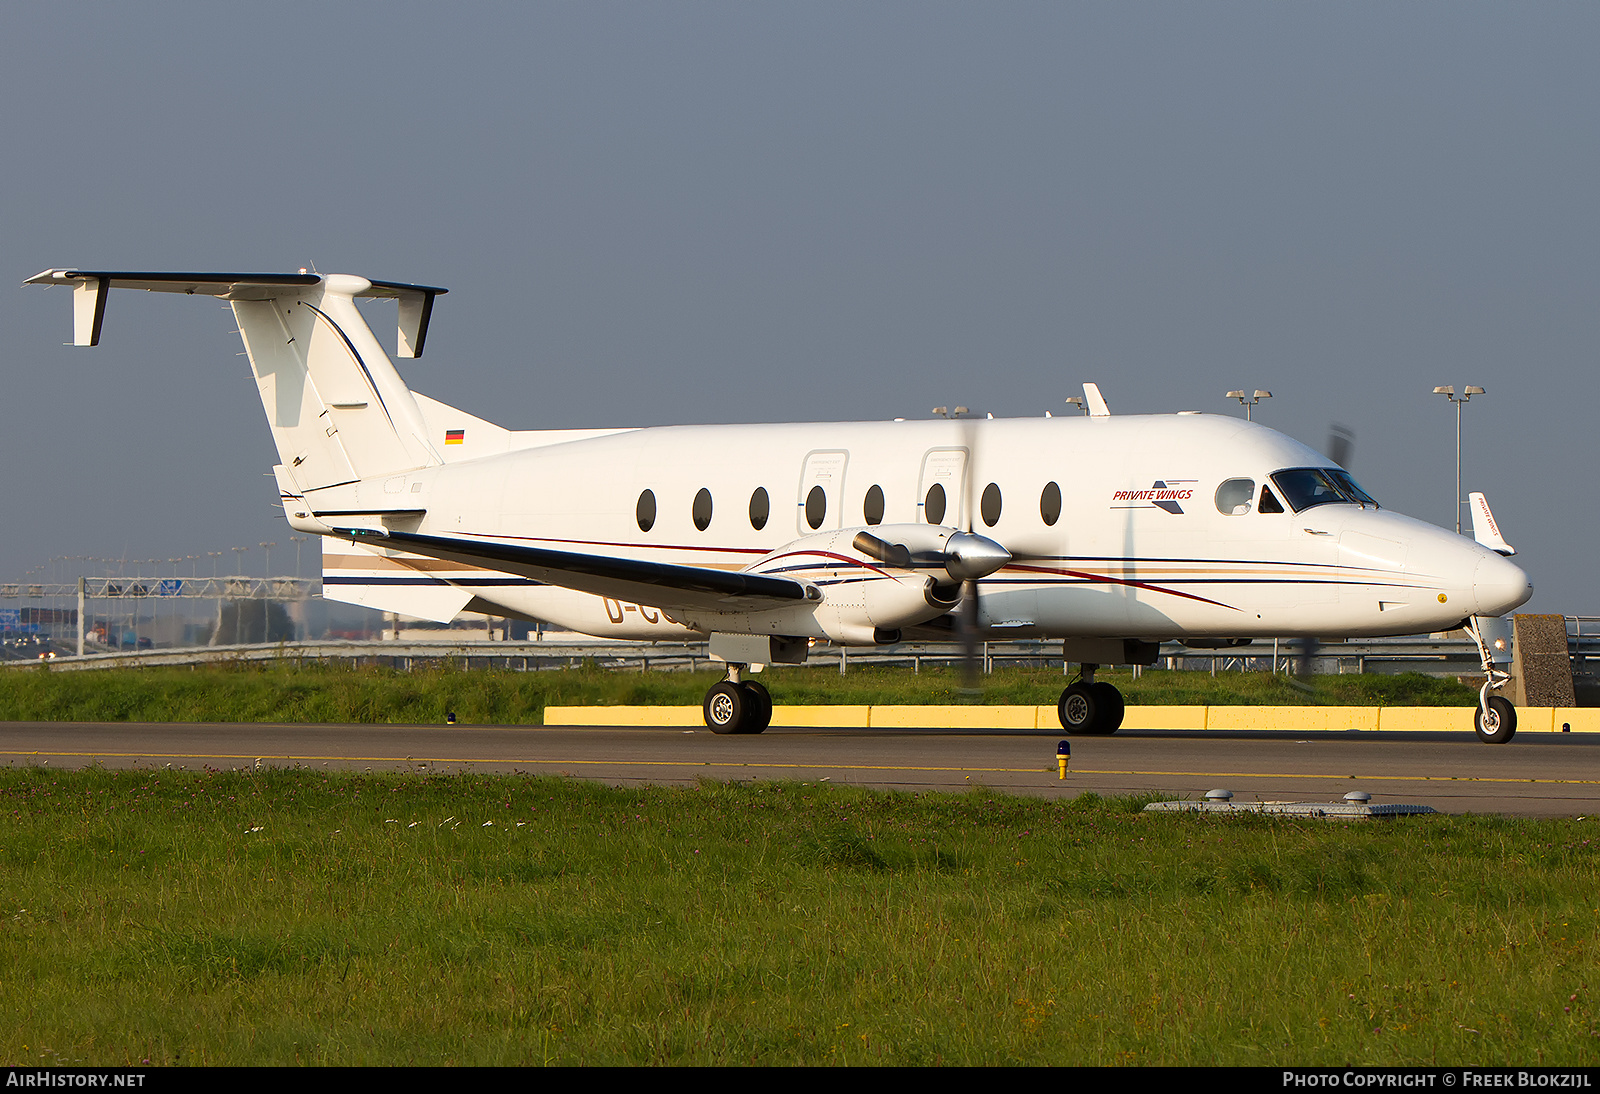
{"points": [[1249, 401], [1449, 392], [1466, 392]]}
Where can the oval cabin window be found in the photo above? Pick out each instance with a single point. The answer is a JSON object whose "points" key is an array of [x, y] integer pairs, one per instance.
{"points": [[933, 505], [1050, 504], [816, 507], [760, 508], [872, 508], [646, 511], [702, 509], [989, 505], [1233, 497]]}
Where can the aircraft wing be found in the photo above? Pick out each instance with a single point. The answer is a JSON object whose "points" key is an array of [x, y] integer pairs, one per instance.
{"points": [[654, 584]]}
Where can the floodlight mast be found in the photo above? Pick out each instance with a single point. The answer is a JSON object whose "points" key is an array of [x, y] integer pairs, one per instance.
{"points": [[1249, 401], [1467, 392]]}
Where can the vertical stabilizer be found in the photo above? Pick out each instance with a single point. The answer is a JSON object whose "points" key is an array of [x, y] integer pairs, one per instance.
{"points": [[338, 409]]}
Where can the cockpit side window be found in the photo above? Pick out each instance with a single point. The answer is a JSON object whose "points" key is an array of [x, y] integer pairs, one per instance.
{"points": [[1306, 487], [1233, 496], [1269, 501], [1352, 489]]}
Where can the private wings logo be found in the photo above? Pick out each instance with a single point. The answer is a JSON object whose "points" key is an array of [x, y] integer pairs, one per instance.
{"points": [[1163, 494]]}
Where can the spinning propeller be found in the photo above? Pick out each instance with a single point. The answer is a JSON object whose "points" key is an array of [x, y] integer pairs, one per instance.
{"points": [[1341, 445]]}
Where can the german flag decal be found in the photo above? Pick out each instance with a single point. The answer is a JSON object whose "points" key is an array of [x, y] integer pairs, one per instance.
{"points": [[455, 436]]}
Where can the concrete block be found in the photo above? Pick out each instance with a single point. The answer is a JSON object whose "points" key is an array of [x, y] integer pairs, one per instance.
{"points": [[1541, 668]]}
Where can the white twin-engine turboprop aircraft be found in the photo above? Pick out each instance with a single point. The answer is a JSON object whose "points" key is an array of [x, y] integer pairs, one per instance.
{"points": [[1109, 533]]}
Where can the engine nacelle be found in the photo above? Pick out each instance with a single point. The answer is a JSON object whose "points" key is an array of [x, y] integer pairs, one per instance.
{"points": [[873, 582]]}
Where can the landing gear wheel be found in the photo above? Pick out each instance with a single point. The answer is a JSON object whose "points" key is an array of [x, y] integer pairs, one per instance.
{"points": [[1109, 708], [759, 714], [726, 707], [1498, 726], [1078, 709], [1095, 708]]}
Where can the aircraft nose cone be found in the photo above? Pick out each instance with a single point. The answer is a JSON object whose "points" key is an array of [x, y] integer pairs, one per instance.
{"points": [[1499, 586], [970, 556]]}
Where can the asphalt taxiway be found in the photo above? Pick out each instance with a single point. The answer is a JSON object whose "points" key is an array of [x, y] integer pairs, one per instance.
{"points": [[1534, 775]]}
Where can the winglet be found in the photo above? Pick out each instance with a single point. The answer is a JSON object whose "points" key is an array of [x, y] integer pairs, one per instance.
{"points": [[1096, 401], [1484, 528]]}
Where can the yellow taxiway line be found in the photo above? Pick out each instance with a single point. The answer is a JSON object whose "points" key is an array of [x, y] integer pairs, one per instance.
{"points": [[258, 757]]}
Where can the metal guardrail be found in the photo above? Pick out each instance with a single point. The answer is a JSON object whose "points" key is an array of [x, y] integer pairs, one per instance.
{"points": [[1432, 656], [1435, 656]]}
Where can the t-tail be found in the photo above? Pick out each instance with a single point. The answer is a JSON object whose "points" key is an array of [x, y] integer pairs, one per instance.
{"points": [[339, 411]]}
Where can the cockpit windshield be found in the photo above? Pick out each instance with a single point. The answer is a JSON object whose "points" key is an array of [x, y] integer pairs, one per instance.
{"points": [[1305, 487]]}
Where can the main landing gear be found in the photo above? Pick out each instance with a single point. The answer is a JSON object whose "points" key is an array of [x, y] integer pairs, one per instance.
{"points": [[737, 706], [1089, 706]]}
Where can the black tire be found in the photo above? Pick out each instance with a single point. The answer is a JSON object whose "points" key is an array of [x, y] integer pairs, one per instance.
{"points": [[759, 715], [1109, 708], [726, 708], [1077, 709], [1501, 724]]}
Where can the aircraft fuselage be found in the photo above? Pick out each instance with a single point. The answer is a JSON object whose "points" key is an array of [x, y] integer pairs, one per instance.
{"points": [[1115, 523]]}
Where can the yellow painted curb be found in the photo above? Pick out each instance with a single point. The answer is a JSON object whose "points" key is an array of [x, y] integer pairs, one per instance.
{"points": [[1538, 719], [955, 717], [1584, 720], [848, 717], [1293, 719], [1429, 719], [624, 716], [1177, 717]]}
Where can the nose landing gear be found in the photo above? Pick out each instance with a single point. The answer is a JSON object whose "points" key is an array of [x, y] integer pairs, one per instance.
{"points": [[1495, 719], [1089, 706]]}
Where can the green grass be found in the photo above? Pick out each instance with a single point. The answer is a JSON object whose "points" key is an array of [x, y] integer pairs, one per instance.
{"points": [[288, 917], [335, 693]]}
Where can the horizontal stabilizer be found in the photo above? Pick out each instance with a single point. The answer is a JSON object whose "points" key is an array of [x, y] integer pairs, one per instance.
{"points": [[438, 602], [657, 584], [89, 295], [412, 585]]}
